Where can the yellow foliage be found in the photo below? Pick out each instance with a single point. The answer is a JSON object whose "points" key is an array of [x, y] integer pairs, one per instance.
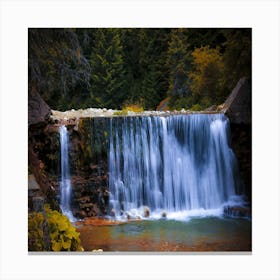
{"points": [[64, 236], [207, 71], [52, 231], [36, 240], [204, 56], [136, 108]]}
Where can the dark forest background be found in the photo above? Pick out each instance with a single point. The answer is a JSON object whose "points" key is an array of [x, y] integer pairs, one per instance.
{"points": [[191, 68]]}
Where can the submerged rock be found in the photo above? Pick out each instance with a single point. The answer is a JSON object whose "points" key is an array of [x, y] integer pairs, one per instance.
{"points": [[164, 214], [237, 212], [146, 211]]}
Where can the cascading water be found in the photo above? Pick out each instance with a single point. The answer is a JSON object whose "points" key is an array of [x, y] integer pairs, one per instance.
{"points": [[179, 164], [65, 182]]}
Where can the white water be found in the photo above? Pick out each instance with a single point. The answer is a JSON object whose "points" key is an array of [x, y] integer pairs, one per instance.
{"points": [[65, 182], [181, 165]]}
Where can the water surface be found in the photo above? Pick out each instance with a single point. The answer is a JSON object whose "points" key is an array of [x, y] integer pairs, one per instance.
{"points": [[198, 234]]}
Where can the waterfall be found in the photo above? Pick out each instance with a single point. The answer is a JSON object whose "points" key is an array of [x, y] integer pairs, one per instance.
{"points": [[65, 181], [176, 164]]}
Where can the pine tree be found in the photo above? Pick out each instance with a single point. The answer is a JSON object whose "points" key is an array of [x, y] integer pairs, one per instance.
{"points": [[237, 56], [107, 69], [179, 63], [152, 62]]}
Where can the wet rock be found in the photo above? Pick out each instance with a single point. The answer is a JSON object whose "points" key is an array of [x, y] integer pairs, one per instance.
{"points": [[112, 212], [86, 205], [164, 214], [237, 212], [90, 196], [84, 199], [146, 211], [51, 198]]}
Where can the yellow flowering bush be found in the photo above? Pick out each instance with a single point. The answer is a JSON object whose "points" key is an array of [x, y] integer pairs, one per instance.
{"points": [[52, 231]]}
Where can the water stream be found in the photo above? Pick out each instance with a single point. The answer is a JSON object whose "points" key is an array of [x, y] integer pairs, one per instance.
{"points": [[65, 181]]}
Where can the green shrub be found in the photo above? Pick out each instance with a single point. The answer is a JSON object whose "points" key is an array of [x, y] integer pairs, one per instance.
{"points": [[196, 107]]}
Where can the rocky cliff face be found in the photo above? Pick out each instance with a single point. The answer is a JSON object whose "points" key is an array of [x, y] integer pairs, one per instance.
{"points": [[238, 108], [39, 184], [241, 142], [88, 165], [38, 110]]}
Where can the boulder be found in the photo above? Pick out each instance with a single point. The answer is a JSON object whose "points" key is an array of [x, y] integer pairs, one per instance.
{"points": [[38, 203], [32, 183], [146, 211], [38, 110], [211, 108], [238, 106], [163, 214], [237, 212], [35, 199]]}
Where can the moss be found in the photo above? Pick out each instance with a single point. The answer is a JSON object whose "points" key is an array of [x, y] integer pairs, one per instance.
{"points": [[120, 113]]}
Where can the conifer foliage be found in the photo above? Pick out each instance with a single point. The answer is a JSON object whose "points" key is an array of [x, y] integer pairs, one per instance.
{"points": [[192, 68], [107, 69]]}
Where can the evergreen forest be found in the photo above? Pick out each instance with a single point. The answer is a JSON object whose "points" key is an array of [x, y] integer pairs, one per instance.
{"points": [[152, 68]]}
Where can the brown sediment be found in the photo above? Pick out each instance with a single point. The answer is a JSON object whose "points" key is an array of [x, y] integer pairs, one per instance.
{"points": [[95, 221], [101, 237], [98, 221]]}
